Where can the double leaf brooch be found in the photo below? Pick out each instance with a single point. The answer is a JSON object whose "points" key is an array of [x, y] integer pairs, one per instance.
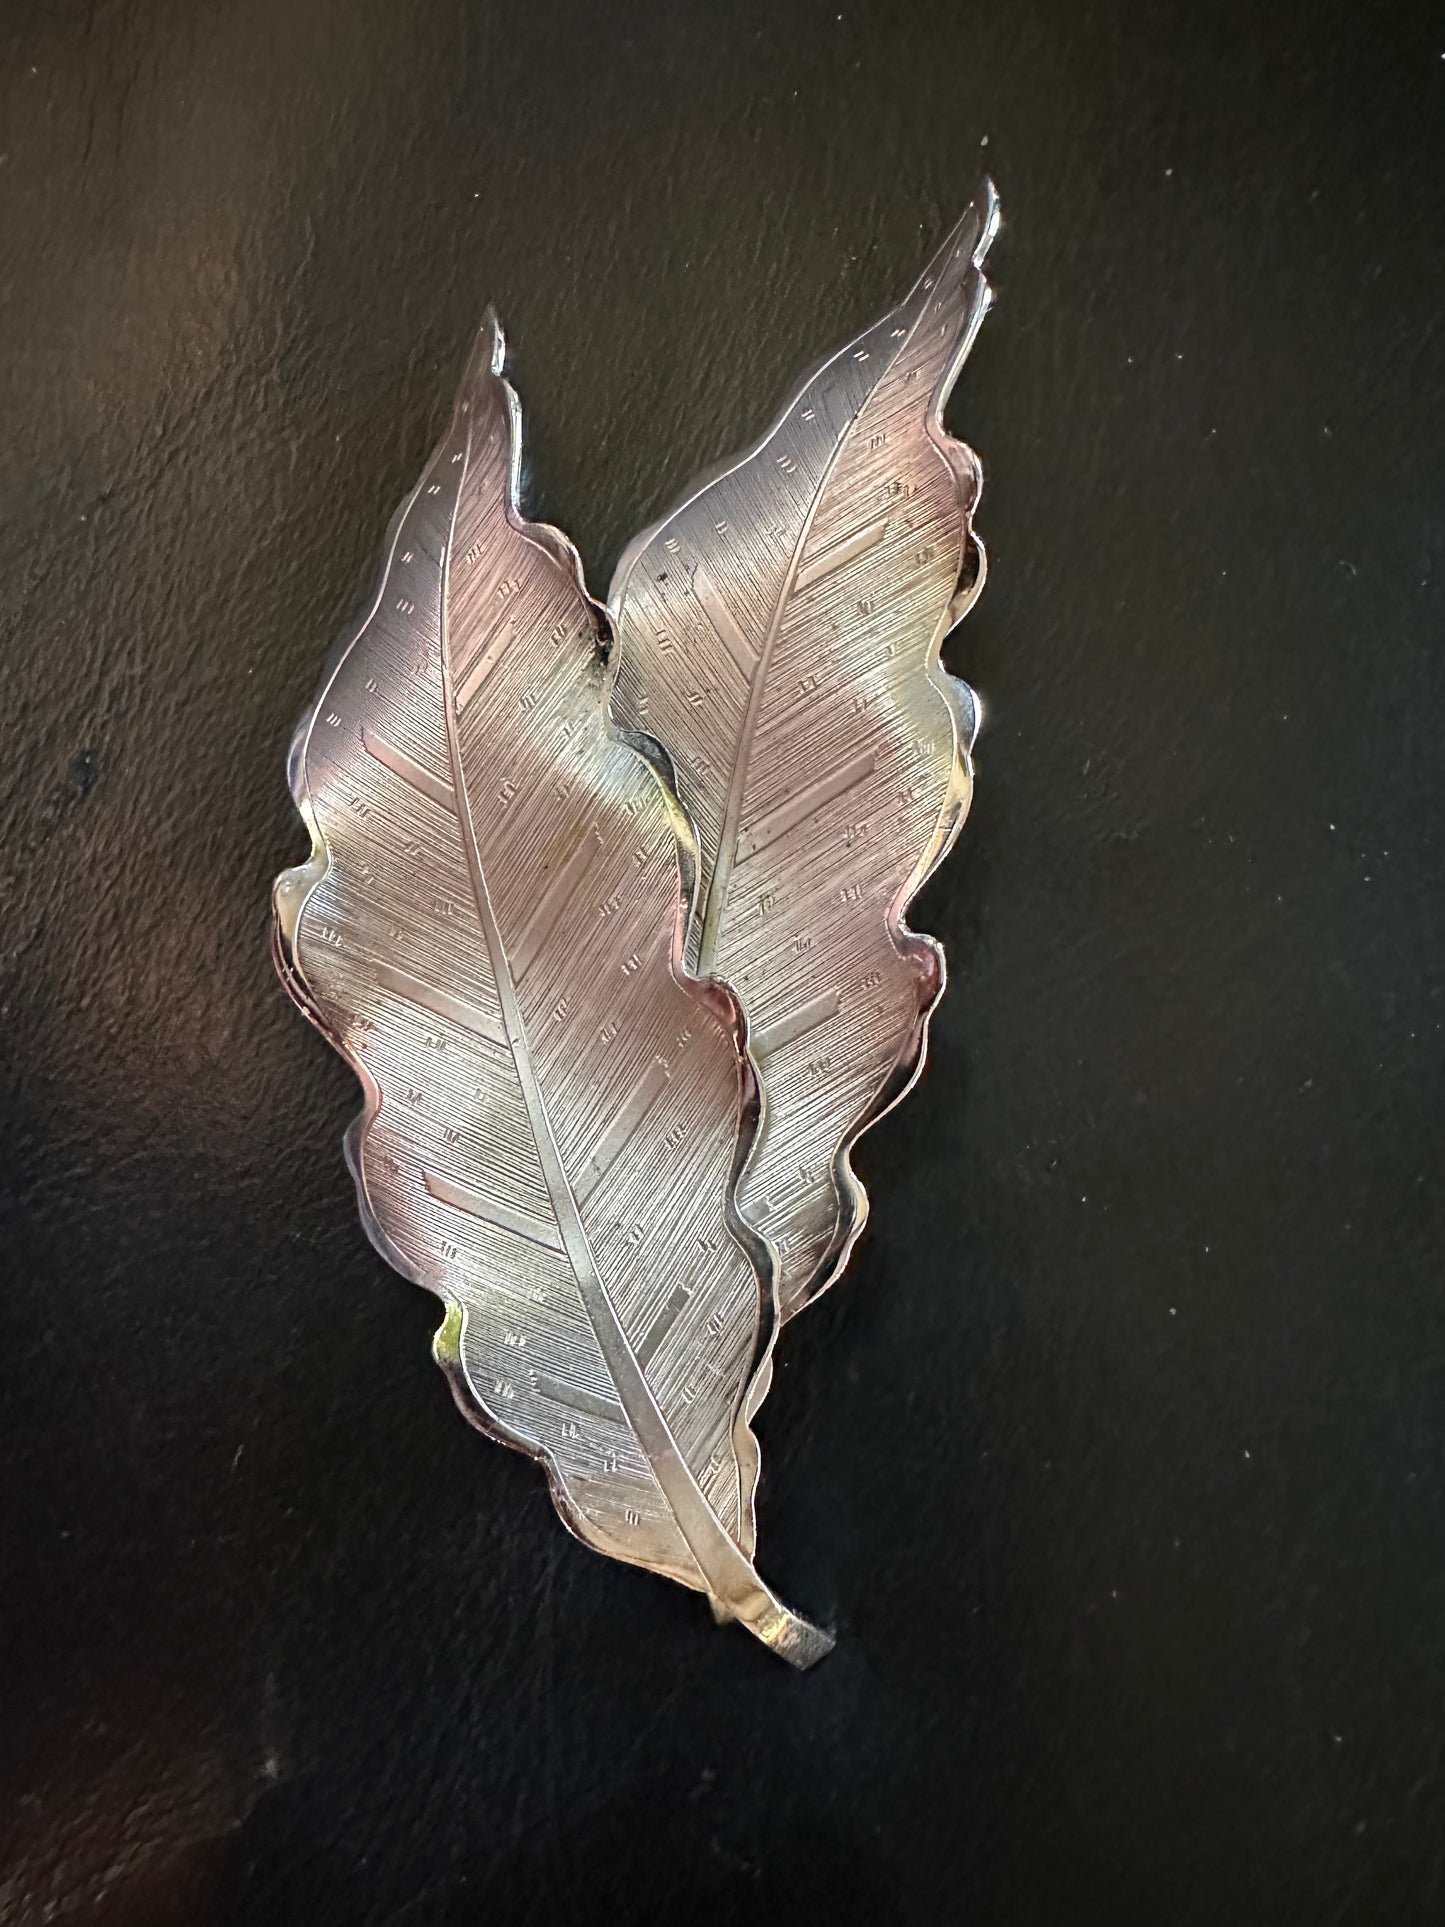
{"points": [[606, 908]]}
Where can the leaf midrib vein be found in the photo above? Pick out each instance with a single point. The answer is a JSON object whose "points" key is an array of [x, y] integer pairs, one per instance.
{"points": [[737, 782], [727, 1571]]}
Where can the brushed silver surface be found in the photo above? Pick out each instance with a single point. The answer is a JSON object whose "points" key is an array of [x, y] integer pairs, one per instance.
{"points": [[490, 929], [778, 631]]}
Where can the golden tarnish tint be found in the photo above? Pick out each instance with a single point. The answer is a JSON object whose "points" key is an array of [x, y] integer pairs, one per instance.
{"points": [[490, 929], [778, 631]]}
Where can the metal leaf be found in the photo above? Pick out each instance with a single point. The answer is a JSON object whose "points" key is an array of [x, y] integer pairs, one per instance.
{"points": [[778, 631], [490, 930]]}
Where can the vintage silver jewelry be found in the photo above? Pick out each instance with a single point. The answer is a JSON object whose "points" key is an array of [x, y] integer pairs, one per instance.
{"points": [[511, 929]]}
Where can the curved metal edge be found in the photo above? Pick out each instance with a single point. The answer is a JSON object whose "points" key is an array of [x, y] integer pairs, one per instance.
{"points": [[793, 1637]]}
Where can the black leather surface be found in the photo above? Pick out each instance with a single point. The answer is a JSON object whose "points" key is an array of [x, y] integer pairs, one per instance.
{"points": [[1117, 1460]]}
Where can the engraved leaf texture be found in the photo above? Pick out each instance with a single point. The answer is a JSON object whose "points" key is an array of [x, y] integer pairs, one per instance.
{"points": [[490, 930], [779, 632]]}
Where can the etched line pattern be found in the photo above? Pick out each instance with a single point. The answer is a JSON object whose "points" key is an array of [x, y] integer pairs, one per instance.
{"points": [[414, 774], [474, 671], [783, 1031], [629, 1118], [723, 622], [662, 1324], [577, 1398], [493, 1211], [442, 1003], [842, 553], [553, 899], [787, 816]]}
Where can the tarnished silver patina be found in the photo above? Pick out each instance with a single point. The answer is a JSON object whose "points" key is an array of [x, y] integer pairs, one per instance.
{"points": [[779, 632], [490, 929]]}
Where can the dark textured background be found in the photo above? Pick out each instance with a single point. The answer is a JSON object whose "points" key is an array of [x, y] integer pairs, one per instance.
{"points": [[1118, 1459]]}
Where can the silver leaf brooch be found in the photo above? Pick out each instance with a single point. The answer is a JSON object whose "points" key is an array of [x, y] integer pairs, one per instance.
{"points": [[606, 910]]}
